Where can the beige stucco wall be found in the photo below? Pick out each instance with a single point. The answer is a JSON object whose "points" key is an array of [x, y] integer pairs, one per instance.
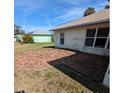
{"points": [[75, 39]]}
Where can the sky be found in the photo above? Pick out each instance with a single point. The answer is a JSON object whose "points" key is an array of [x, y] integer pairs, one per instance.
{"points": [[47, 14]]}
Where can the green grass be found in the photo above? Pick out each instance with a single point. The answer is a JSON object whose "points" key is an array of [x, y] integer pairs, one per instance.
{"points": [[44, 44]]}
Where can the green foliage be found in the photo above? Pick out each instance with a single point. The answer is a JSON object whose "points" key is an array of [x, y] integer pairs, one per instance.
{"points": [[52, 38], [89, 11], [27, 38]]}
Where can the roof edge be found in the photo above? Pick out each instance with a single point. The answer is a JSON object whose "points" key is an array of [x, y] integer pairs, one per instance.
{"points": [[42, 34], [89, 23]]}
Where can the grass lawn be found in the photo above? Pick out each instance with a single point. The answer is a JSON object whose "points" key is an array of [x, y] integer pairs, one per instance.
{"points": [[21, 48], [33, 74]]}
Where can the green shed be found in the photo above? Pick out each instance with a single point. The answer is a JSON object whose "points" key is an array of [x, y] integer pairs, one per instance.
{"points": [[41, 36]]}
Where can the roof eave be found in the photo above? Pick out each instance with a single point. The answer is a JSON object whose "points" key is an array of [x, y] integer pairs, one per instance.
{"points": [[90, 23]]}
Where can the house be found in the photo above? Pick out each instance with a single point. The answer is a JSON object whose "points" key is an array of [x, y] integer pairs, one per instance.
{"points": [[41, 36], [89, 34]]}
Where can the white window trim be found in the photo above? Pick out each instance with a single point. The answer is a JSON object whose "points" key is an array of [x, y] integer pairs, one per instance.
{"points": [[96, 48], [95, 37], [107, 42], [61, 38]]}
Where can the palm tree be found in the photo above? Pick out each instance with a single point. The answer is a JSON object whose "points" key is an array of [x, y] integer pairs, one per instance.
{"points": [[89, 11], [107, 6]]}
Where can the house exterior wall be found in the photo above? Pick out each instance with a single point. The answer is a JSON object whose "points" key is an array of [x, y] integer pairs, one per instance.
{"points": [[106, 80], [42, 38], [36, 38], [19, 37], [75, 39]]}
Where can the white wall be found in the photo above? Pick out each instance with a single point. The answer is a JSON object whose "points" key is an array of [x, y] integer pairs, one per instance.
{"points": [[41, 38], [98, 51], [106, 80], [75, 39]]}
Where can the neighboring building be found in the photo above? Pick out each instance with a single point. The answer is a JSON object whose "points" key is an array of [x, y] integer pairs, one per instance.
{"points": [[89, 34], [41, 36]]}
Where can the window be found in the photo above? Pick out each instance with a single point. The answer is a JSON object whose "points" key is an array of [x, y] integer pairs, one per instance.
{"points": [[103, 32], [91, 33], [89, 41], [90, 37], [100, 42], [97, 38], [62, 38]]}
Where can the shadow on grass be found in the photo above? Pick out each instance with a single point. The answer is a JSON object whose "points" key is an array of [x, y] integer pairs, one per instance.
{"points": [[87, 69]]}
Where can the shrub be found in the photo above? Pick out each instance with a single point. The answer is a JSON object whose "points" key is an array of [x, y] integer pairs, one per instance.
{"points": [[27, 38], [52, 38]]}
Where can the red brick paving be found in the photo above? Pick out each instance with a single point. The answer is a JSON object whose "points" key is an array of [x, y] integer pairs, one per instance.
{"points": [[41, 57], [91, 65]]}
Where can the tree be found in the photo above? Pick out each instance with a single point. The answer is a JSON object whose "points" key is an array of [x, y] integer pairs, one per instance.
{"points": [[107, 6], [27, 38], [52, 38], [18, 30], [89, 11]]}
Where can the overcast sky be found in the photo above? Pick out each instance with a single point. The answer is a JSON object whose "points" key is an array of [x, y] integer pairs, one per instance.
{"points": [[46, 14]]}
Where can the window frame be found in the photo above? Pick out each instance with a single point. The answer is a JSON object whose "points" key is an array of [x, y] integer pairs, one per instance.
{"points": [[62, 38], [95, 37]]}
